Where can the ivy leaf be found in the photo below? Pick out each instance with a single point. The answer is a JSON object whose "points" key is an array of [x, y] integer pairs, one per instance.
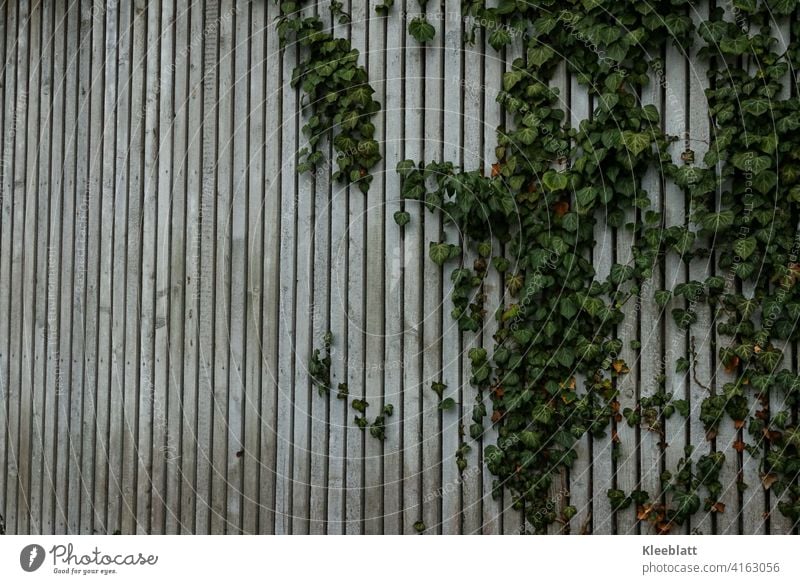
{"points": [[586, 197], [635, 142], [736, 46], [438, 388], [756, 105], [511, 78], [662, 297], [402, 218], [750, 161], [526, 136], [441, 252], [421, 30], [765, 181], [555, 181], [718, 221], [447, 404], [620, 273], [540, 55], [499, 38], [744, 248]]}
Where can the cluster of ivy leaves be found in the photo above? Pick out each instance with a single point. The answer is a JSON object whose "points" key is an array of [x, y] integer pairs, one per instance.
{"points": [[533, 220], [338, 101], [540, 205]]}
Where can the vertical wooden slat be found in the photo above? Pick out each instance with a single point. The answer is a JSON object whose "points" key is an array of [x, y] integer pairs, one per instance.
{"points": [[206, 395], [356, 350], [254, 182], [190, 440], [95, 407], [778, 523], [374, 59], [174, 71], [49, 232], [701, 336], [627, 448], [446, 134], [38, 181], [320, 325], [414, 385], [136, 403], [117, 428], [239, 235], [274, 174], [220, 261], [492, 285], [580, 475], [394, 271], [301, 388], [80, 398], [513, 515], [5, 202], [162, 94], [150, 397], [340, 414], [25, 183], [675, 271], [11, 251], [106, 79], [602, 447], [431, 289], [287, 280], [651, 353], [559, 487], [67, 404]]}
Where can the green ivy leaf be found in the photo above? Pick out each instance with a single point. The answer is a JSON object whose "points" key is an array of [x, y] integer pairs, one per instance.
{"points": [[421, 30], [402, 218], [745, 247]]}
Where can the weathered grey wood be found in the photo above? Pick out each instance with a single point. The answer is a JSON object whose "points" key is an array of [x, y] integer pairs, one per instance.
{"points": [[95, 406], [675, 271], [221, 268], [254, 182], [189, 448], [175, 117], [580, 475], [778, 523], [117, 427], [271, 285], [374, 59], [394, 272], [151, 397], [165, 275], [239, 235], [448, 138], [651, 354], [414, 385], [701, 349], [433, 421], [492, 520], [5, 201], [320, 325], [162, 93], [26, 236], [37, 179], [11, 246], [301, 403]]}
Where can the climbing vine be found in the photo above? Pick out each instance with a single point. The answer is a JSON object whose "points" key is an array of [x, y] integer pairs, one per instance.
{"points": [[337, 101], [550, 374]]}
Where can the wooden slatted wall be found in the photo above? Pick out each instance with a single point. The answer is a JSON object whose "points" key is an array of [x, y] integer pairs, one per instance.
{"points": [[165, 275]]}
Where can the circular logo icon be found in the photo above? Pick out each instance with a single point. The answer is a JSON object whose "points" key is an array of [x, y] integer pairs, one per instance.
{"points": [[31, 557]]}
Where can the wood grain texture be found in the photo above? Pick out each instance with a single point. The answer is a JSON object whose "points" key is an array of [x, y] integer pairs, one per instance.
{"points": [[165, 275]]}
